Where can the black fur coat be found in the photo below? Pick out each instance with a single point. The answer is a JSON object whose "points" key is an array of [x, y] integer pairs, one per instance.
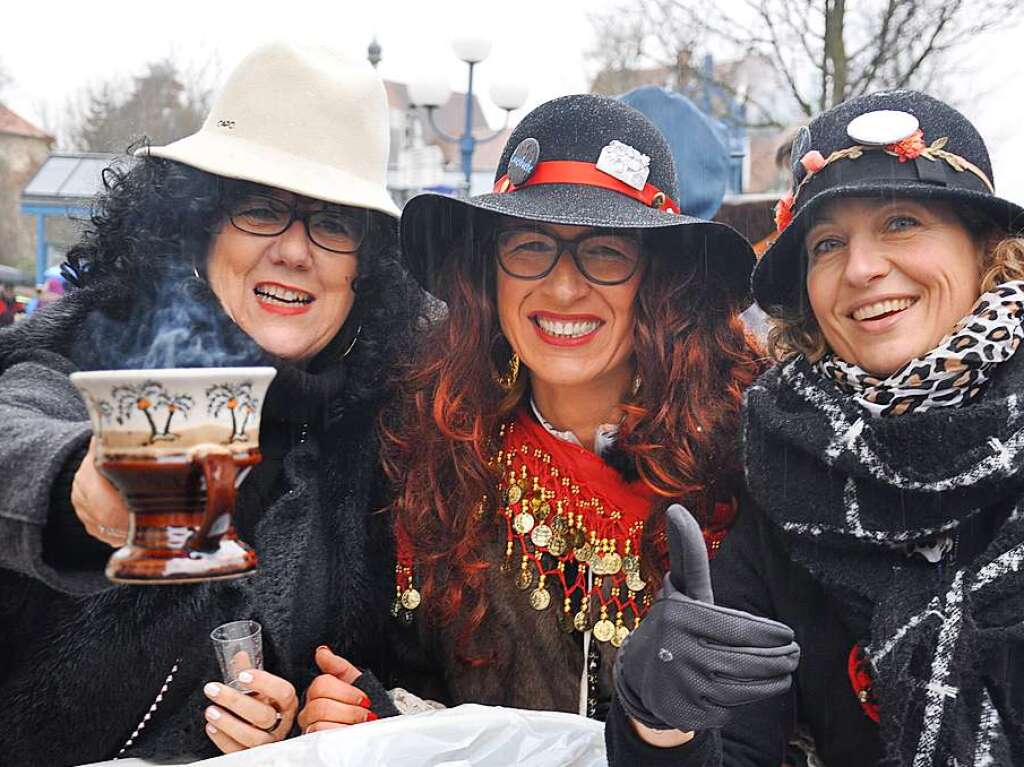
{"points": [[82, 660]]}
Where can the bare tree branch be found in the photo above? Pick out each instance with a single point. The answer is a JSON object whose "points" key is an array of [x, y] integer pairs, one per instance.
{"points": [[815, 52], [803, 32], [880, 43], [931, 46], [783, 67]]}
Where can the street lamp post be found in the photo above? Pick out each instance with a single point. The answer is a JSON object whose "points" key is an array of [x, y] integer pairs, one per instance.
{"points": [[432, 93], [373, 51]]}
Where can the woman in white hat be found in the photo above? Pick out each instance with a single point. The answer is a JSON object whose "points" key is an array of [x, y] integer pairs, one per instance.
{"points": [[268, 237]]}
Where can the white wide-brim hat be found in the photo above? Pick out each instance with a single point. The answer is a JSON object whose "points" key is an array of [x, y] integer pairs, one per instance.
{"points": [[309, 120]]}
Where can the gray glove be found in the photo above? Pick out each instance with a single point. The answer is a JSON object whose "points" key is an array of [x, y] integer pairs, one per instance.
{"points": [[690, 662]]}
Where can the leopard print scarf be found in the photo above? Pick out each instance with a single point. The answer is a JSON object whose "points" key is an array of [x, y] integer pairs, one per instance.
{"points": [[951, 374]]}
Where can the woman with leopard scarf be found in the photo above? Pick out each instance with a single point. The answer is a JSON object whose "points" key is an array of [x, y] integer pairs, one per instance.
{"points": [[884, 453]]}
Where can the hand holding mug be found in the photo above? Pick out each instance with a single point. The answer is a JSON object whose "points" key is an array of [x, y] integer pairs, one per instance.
{"points": [[97, 503], [691, 662], [333, 700]]}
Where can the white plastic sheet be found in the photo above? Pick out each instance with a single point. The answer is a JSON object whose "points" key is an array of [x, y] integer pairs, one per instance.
{"points": [[481, 736]]}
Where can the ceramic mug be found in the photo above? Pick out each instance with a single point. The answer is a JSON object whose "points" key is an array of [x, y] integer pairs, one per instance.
{"points": [[176, 443]]}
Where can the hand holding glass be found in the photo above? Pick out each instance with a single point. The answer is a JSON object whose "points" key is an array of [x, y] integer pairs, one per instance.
{"points": [[239, 647]]}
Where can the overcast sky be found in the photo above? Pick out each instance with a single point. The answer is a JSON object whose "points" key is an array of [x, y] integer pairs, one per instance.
{"points": [[52, 49]]}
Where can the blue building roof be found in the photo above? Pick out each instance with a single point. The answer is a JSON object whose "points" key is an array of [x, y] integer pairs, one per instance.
{"points": [[67, 179]]}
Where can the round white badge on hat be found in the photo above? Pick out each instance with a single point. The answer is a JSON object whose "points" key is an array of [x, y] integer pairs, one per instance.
{"points": [[882, 127]]}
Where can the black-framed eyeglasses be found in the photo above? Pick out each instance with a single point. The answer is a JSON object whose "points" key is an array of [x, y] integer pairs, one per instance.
{"points": [[604, 258], [337, 228]]}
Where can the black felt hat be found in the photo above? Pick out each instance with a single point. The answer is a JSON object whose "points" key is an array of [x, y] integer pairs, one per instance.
{"points": [[888, 144], [583, 160]]}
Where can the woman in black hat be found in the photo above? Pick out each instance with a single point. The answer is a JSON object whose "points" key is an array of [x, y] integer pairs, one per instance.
{"points": [[588, 373], [885, 448]]}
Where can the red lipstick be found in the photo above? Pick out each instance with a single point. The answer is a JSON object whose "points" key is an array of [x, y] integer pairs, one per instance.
{"points": [[275, 306], [556, 340]]}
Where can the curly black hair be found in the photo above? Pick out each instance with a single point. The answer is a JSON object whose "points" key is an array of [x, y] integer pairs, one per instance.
{"points": [[153, 224]]}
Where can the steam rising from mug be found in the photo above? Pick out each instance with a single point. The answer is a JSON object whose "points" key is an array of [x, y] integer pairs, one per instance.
{"points": [[174, 321]]}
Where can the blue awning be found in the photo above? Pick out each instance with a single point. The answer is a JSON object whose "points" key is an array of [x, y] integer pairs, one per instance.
{"points": [[65, 185]]}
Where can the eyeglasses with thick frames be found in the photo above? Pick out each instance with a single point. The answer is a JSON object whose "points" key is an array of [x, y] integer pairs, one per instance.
{"points": [[604, 258], [337, 228]]}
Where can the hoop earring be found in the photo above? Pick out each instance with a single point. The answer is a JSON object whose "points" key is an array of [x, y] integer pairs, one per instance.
{"points": [[352, 345], [196, 274], [508, 380]]}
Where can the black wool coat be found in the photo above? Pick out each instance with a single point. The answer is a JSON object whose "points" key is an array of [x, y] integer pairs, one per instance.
{"points": [[82, 660], [796, 471], [754, 572]]}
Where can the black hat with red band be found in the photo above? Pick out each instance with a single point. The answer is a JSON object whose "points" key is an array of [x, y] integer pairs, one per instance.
{"points": [[582, 160]]}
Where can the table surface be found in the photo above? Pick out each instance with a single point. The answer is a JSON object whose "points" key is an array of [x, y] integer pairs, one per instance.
{"points": [[483, 736]]}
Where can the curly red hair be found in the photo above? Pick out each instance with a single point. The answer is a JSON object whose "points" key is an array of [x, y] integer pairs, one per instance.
{"points": [[680, 436]]}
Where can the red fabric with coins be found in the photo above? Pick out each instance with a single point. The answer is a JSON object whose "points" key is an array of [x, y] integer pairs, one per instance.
{"points": [[632, 499], [588, 174], [573, 495], [599, 582]]}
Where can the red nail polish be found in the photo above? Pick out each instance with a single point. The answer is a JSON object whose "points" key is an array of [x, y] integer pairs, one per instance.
{"points": [[370, 716], [365, 702]]}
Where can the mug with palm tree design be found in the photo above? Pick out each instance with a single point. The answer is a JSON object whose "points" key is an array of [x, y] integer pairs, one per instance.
{"points": [[176, 443]]}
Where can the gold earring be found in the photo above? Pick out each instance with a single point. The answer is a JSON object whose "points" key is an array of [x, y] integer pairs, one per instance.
{"points": [[636, 384], [508, 380]]}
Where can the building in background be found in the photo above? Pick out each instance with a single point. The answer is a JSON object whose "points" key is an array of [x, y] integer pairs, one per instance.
{"points": [[23, 150], [59, 198], [52, 196]]}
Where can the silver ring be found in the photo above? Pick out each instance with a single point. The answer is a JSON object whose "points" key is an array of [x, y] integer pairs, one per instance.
{"points": [[113, 532], [277, 723]]}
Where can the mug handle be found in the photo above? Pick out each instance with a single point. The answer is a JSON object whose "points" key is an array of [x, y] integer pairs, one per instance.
{"points": [[219, 472]]}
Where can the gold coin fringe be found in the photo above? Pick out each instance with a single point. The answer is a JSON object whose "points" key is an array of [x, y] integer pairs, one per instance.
{"points": [[562, 545]]}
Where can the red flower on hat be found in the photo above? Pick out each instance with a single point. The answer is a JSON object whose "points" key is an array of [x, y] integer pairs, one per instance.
{"points": [[784, 212], [910, 147], [813, 161]]}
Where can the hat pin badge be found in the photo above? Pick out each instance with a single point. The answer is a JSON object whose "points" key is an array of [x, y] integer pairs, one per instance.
{"points": [[623, 162], [882, 127], [523, 161]]}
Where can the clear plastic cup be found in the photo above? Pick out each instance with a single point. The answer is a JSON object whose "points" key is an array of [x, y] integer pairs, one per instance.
{"points": [[239, 647]]}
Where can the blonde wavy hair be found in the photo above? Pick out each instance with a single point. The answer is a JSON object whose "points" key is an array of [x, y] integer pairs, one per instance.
{"points": [[797, 332]]}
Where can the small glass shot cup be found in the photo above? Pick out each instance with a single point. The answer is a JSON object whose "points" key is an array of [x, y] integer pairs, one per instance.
{"points": [[239, 647]]}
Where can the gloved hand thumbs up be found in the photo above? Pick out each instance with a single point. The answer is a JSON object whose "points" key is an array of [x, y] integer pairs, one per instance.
{"points": [[690, 662], [689, 571]]}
